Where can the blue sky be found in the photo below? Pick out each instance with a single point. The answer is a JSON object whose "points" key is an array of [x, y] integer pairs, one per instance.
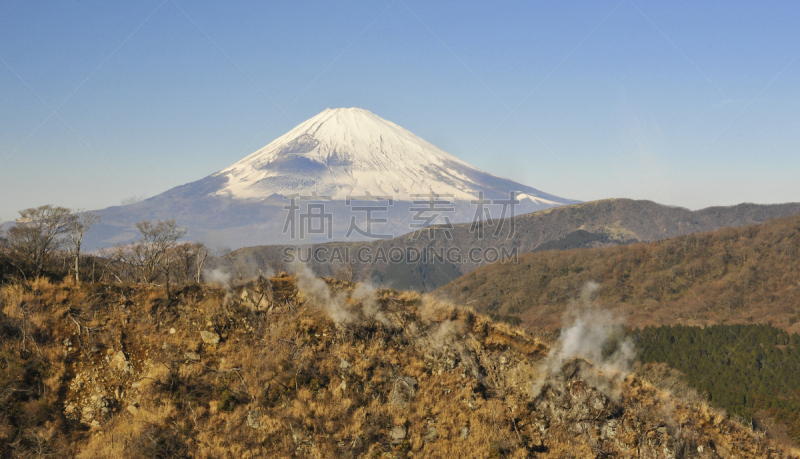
{"points": [[685, 103]]}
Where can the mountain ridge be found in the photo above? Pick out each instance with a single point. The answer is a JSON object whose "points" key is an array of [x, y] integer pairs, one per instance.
{"points": [[742, 275], [605, 222]]}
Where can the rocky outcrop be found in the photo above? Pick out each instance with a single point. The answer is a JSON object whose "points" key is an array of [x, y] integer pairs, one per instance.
{"points": [[423, 379]]}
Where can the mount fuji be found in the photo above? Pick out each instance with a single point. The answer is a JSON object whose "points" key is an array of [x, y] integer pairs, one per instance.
{"points": [[348, 159]]}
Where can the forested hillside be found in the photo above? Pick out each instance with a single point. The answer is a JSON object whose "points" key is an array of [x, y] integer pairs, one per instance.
{"points": [[749, 370], [592, 224], [734, 275]]}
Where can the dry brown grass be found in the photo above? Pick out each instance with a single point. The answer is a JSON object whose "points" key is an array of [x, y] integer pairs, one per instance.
{"points": [[284, 381]]}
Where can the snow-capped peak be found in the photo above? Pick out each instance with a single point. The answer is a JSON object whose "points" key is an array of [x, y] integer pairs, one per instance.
{"points": [[351, 151]]}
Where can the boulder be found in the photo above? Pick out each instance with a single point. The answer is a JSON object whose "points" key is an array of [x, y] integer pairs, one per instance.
{"points": [[431, 435], [398, 435], [120, 362], [209, 337], [253, 419], [403, 391]]}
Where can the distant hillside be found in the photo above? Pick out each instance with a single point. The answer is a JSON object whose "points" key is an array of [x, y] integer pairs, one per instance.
{"points": [[598, 223], [734, 275]]}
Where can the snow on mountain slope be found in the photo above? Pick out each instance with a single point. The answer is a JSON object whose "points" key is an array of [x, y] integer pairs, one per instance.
{"points": [[339, 153], [350, 151]]}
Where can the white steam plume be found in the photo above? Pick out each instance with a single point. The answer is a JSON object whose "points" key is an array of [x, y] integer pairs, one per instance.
{"points": [[366, 294], [319, 294], [336, 305], [217, 276], [589, 333], [221, 278]]}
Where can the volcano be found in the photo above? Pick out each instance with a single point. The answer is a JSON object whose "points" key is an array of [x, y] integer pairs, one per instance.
{"points": [[340, 162]]}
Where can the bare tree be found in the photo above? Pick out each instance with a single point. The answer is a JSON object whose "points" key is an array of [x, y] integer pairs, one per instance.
{"points": [[150, 252], [118, 261], [78, 225], [5, 263], [200, 257], [200, 260], [191, 257], [37, 234]]}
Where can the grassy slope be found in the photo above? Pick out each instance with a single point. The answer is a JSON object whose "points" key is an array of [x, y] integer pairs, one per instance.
{"points": [[122, 372]]}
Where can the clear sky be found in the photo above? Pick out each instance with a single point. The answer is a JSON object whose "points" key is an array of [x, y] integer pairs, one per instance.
{"points": [[686, 103]]}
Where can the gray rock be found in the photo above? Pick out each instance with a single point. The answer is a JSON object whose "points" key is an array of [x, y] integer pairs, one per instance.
{"points": [[431, 435], [398, 435], [610, 429], [194, 356], [253, 419], [463, 433], [87, 413], [209, 337], [358, 443], [403, 391], [97, 403], [120, 362]]}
